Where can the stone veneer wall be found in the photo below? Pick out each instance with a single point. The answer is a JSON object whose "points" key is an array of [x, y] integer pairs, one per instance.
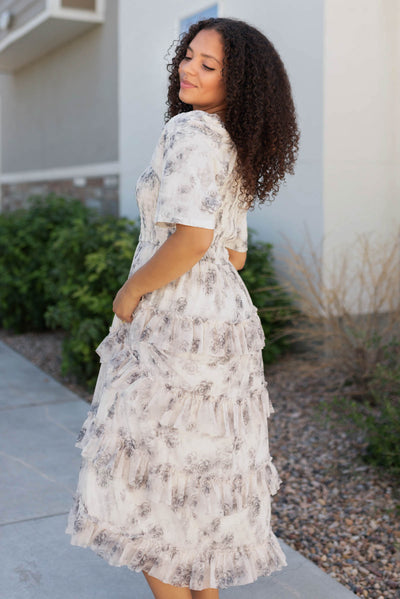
{"points": [[101, 193]]}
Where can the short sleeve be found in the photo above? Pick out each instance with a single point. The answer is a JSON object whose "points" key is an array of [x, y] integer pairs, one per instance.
{"points": [[188, 192], [238, 241]]}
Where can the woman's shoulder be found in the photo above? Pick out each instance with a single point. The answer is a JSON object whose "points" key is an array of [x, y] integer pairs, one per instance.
{"points": [[196, 117], [197, 123]]}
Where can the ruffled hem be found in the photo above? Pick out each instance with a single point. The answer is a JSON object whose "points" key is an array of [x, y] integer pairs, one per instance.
{"points": [[212, 568], [185, 333]]}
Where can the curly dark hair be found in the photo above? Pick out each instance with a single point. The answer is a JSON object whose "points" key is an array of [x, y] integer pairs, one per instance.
{"points": [[260, 114]]}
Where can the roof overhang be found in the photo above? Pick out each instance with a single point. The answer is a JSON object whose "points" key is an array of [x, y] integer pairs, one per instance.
{"points": [[51, 28]]}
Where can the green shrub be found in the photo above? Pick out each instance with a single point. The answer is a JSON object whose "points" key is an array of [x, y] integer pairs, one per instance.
{"points": [[377, 414], [24, 269], [381, 418], [91, 261], [274, 304]]}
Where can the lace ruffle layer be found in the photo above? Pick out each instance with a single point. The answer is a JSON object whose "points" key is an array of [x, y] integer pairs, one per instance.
{"points": [[126, 379], [186, 333], [213, 415], [199, 487]]}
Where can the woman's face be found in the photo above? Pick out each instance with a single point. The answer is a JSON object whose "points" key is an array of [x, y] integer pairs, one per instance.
{"points": [[200, 73]]}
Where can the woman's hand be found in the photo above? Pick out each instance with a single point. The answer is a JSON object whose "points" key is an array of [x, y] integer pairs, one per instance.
{"points": [[125, 303]]}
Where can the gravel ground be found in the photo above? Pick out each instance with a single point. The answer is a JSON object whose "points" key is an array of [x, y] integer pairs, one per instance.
{"points": [[338, 512]]}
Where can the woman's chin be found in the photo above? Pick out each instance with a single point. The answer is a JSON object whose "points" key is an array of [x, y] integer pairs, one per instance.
{"points": [[186, 96]]}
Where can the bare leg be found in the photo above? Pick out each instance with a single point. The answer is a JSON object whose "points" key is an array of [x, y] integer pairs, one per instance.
{"points": [[205, 594], [162, 590]]}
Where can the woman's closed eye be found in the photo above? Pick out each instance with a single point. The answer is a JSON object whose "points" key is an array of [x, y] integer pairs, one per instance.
{"points": [[204, 65]]}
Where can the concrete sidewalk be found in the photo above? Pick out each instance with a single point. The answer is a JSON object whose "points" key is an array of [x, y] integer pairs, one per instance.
{"points": [[40, 420]]}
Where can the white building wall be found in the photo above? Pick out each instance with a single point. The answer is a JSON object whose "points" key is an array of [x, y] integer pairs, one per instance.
{"points": [[361, 121], [296, 30], [397, 108]]}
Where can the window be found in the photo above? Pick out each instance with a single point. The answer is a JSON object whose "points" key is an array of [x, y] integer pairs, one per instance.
{"points": [[207, 13]]}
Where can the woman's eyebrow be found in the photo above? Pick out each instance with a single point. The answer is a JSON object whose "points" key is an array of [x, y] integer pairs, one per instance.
{"points": [[206, 55]]}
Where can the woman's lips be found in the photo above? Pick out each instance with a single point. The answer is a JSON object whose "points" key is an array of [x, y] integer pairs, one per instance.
{"points": [[186, 84]]}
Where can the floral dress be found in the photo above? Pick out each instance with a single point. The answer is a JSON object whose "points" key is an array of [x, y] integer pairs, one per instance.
{"points": [[176, 476]]}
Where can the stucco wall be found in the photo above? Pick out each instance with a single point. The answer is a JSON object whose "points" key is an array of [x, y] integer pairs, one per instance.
{"points": [[362, 121]]}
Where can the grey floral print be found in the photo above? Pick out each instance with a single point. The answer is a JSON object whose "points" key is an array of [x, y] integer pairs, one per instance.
{"points": [[176, 475]]}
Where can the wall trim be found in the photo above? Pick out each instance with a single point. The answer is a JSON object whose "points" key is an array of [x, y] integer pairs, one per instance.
{"points": [[87, 170]]}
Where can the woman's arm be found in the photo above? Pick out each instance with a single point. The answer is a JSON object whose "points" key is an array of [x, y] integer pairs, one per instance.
{"points": [[178, 254], [238, 259]]}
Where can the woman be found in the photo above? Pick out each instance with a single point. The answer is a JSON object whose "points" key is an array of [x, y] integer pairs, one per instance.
{"points": [[176, 477]]}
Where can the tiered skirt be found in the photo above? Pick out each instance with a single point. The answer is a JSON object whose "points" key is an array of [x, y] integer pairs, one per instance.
{"points": [[176, 476]]}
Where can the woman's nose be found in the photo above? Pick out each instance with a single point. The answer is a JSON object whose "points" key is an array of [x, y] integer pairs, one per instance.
{"points": [[189, 69]]}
